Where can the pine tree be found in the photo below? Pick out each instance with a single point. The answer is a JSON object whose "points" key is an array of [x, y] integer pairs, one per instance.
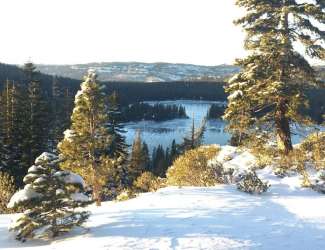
{"points": [[269, 91], [173, 151], [195, 139], [146, 156], [137, 163], [13, 131], [118, 178], [7, 129], [57, 117], [84, 147], [38, 114], [189, 141], [49, 200], [160, 164], [118, 147]]}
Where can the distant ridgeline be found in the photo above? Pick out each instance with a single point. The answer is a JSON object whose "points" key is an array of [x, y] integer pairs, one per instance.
{"points": [[128, 92], [134, 92]]}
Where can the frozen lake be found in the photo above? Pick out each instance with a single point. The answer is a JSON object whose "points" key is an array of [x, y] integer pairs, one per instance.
{"points": [[155, 133]]}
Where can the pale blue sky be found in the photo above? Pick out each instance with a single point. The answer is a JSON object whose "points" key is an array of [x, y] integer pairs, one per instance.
{"points": [[81, 31]]}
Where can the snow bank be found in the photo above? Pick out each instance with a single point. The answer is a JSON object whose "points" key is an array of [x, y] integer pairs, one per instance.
{"points": [[232, 157]]}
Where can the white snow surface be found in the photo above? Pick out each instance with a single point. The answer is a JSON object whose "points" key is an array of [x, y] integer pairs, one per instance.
{"points": [[25, 194], [70, 178], [286, 217], [45, 157]]}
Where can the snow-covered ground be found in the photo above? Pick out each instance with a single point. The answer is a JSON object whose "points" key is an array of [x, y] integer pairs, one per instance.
{"points": [[221, 217]]}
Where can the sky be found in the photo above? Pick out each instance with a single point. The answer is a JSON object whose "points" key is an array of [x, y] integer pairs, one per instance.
{"points": [[81, 31]]}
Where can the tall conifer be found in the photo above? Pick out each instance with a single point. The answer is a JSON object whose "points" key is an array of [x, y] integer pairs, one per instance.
{"points": [[84, 147], [268, 92]]}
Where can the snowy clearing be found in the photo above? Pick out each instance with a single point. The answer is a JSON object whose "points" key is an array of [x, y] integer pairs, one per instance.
{"points": [[221, 217], [198, 218]]}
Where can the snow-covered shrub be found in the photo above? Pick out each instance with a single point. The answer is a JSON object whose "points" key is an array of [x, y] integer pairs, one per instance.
{"points": [[319, 185], [49, 201], [147, 182], [7, 189], [193, 168], [250, 183]]}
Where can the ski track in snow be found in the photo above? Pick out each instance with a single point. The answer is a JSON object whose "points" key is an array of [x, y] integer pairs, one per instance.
{"points": [[221, 217]]}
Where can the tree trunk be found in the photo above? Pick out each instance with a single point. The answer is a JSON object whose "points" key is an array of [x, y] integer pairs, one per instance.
{"points": [[96, 189], [283, 128]]}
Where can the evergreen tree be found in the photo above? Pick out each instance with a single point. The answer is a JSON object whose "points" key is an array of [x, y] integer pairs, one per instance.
{"points": [[13, 131], [269, 91], [173, 151], [7, 129], [160, 164], [49, 200], [57, 115], [195, 139], [84, 147], [118, 178], [189, 141], [38, 114], [146, 156], [138, 159], [118, 147]]}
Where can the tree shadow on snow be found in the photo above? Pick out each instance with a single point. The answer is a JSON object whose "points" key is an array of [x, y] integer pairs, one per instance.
{"points": [[255, 219]]}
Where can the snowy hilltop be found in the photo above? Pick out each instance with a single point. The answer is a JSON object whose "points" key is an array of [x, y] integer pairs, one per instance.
{"points": [[143, 72], [218, 217]]}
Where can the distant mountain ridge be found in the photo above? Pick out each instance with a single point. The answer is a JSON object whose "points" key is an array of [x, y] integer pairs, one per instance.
{"points": [[142, 72]]}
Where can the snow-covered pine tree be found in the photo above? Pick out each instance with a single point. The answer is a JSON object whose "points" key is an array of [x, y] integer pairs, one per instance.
{"points": [[84, 149], [269, 91], [49, 200]]}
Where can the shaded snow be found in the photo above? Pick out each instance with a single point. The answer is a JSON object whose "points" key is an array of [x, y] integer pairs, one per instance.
{"points": [[221, 217], [79, 197]]}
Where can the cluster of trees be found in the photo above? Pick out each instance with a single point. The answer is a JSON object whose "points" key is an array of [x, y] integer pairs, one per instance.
{"points": [[32, 120], [161, 159], [216, 111], [34, 117], [156, 112]]}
